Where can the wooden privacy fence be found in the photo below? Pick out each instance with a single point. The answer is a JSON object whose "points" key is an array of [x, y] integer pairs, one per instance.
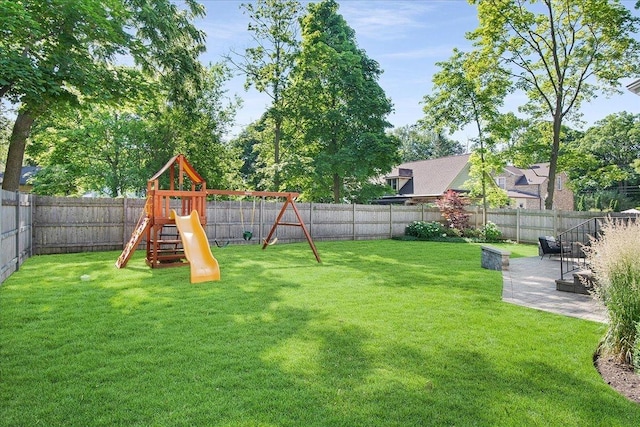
{"points": [[79, 225], [49, 225], [16, 231]]}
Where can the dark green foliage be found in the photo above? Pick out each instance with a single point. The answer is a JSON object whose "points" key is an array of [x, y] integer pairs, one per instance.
{"points": [[490, 232], [600, 164], [636, 349], [560, 54], [338, 109], [59, 53], [420, 144], [425, 230]]}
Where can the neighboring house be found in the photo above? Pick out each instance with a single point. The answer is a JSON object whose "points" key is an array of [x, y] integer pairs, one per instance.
{"points": [[527, 187], [634, 87], [425, 181], [25, 176]]}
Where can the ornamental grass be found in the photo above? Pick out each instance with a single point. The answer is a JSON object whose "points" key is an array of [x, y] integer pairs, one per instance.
{"points": [[613, 257]]}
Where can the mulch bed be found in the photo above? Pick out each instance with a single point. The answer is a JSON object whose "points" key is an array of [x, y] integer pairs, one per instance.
{"points": [[620, 376]]}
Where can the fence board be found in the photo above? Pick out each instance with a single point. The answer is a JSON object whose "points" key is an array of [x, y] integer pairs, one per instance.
{"points": [[47, 225], [70, 225], [16, 229]]}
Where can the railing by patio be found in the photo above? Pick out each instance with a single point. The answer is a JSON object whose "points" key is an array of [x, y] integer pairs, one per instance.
{"points": [[572, 241], [572, 256]]}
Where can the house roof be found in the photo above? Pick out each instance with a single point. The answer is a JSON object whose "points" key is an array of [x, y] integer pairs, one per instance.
{"points": [[515, 194], [434, 177], [634, 87], [534, 175], [26, 174]]}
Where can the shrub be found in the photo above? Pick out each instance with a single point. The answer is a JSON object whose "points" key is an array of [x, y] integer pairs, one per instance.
{"points": [[472, 233], [616, 268], [424, 230], [452, 232], [452, 207], [636, 350], [490, 232]]}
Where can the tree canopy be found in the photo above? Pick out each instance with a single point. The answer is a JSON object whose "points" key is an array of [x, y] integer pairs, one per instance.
{"points": [[601, 162], [66, 51], [469, 89], [339, 109], [560, 53], [113, 150], [420, 144], [267, 65]]}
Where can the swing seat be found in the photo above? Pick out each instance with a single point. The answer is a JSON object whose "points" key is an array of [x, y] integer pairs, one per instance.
{"points": [[247, 235], [271, 243], [222, 245]]}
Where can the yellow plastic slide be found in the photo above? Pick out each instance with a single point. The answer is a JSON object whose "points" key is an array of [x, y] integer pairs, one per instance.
{"points": [[204, 267]]}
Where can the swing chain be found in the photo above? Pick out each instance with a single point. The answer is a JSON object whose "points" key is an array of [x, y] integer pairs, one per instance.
{"points": [[248, 234]]}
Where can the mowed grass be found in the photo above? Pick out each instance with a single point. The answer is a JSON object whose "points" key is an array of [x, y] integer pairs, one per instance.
{"points": [[382, 333]]}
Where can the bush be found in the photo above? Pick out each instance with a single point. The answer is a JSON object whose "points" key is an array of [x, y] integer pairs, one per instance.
{"points": [[490, 232], [472, 233], [636, 350], [452, 207], [425, 230], [616, 268]]}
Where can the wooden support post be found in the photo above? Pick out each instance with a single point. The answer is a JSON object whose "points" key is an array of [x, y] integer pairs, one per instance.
{"points": [[290, 200]]}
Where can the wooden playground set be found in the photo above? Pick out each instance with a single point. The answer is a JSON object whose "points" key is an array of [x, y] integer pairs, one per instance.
{"points": [[173, 221]]}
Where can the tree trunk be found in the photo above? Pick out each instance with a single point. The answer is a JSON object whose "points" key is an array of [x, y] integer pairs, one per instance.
{"points": [[276, 151], [17, 145], [553, 162], [336, 188]]}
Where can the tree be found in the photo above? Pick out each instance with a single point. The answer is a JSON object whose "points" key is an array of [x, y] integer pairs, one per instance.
{"points": [[560, 53], [420, 144], [90, 149], [64, 52], [602, 160], [274, 28], [114, 150], [247, 145], [468, 90], [481, 183], [5, 131], [339, 109], [452, 207]]}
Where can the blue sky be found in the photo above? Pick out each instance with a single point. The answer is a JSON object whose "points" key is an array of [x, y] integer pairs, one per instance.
{"points": [[406, 38]]}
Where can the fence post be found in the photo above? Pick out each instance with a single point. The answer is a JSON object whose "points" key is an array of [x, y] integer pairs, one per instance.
{"points": [[390, 220], [310, 217], [18, 231], [353, 222], [518, 225], [555, 222], [30, 227], [124, 221]]}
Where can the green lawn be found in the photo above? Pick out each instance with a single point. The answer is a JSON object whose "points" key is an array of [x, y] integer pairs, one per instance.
{"points": [[382, 333]]}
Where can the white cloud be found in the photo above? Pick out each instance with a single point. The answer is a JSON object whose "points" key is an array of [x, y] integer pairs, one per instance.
{"points": [[436, 52], [385, 19]]}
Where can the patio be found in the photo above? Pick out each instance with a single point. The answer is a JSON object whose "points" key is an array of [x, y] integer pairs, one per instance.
{"points": [[530, 282]]}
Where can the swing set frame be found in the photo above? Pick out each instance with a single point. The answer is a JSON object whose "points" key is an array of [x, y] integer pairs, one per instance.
{"points": [[290, 199]]}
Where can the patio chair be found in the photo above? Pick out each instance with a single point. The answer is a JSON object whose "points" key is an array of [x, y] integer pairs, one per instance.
{"points": [[550, 246]]}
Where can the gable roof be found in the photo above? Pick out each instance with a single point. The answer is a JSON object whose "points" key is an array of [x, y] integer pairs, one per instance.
{"points": [[535, 174], [434, 177]]}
